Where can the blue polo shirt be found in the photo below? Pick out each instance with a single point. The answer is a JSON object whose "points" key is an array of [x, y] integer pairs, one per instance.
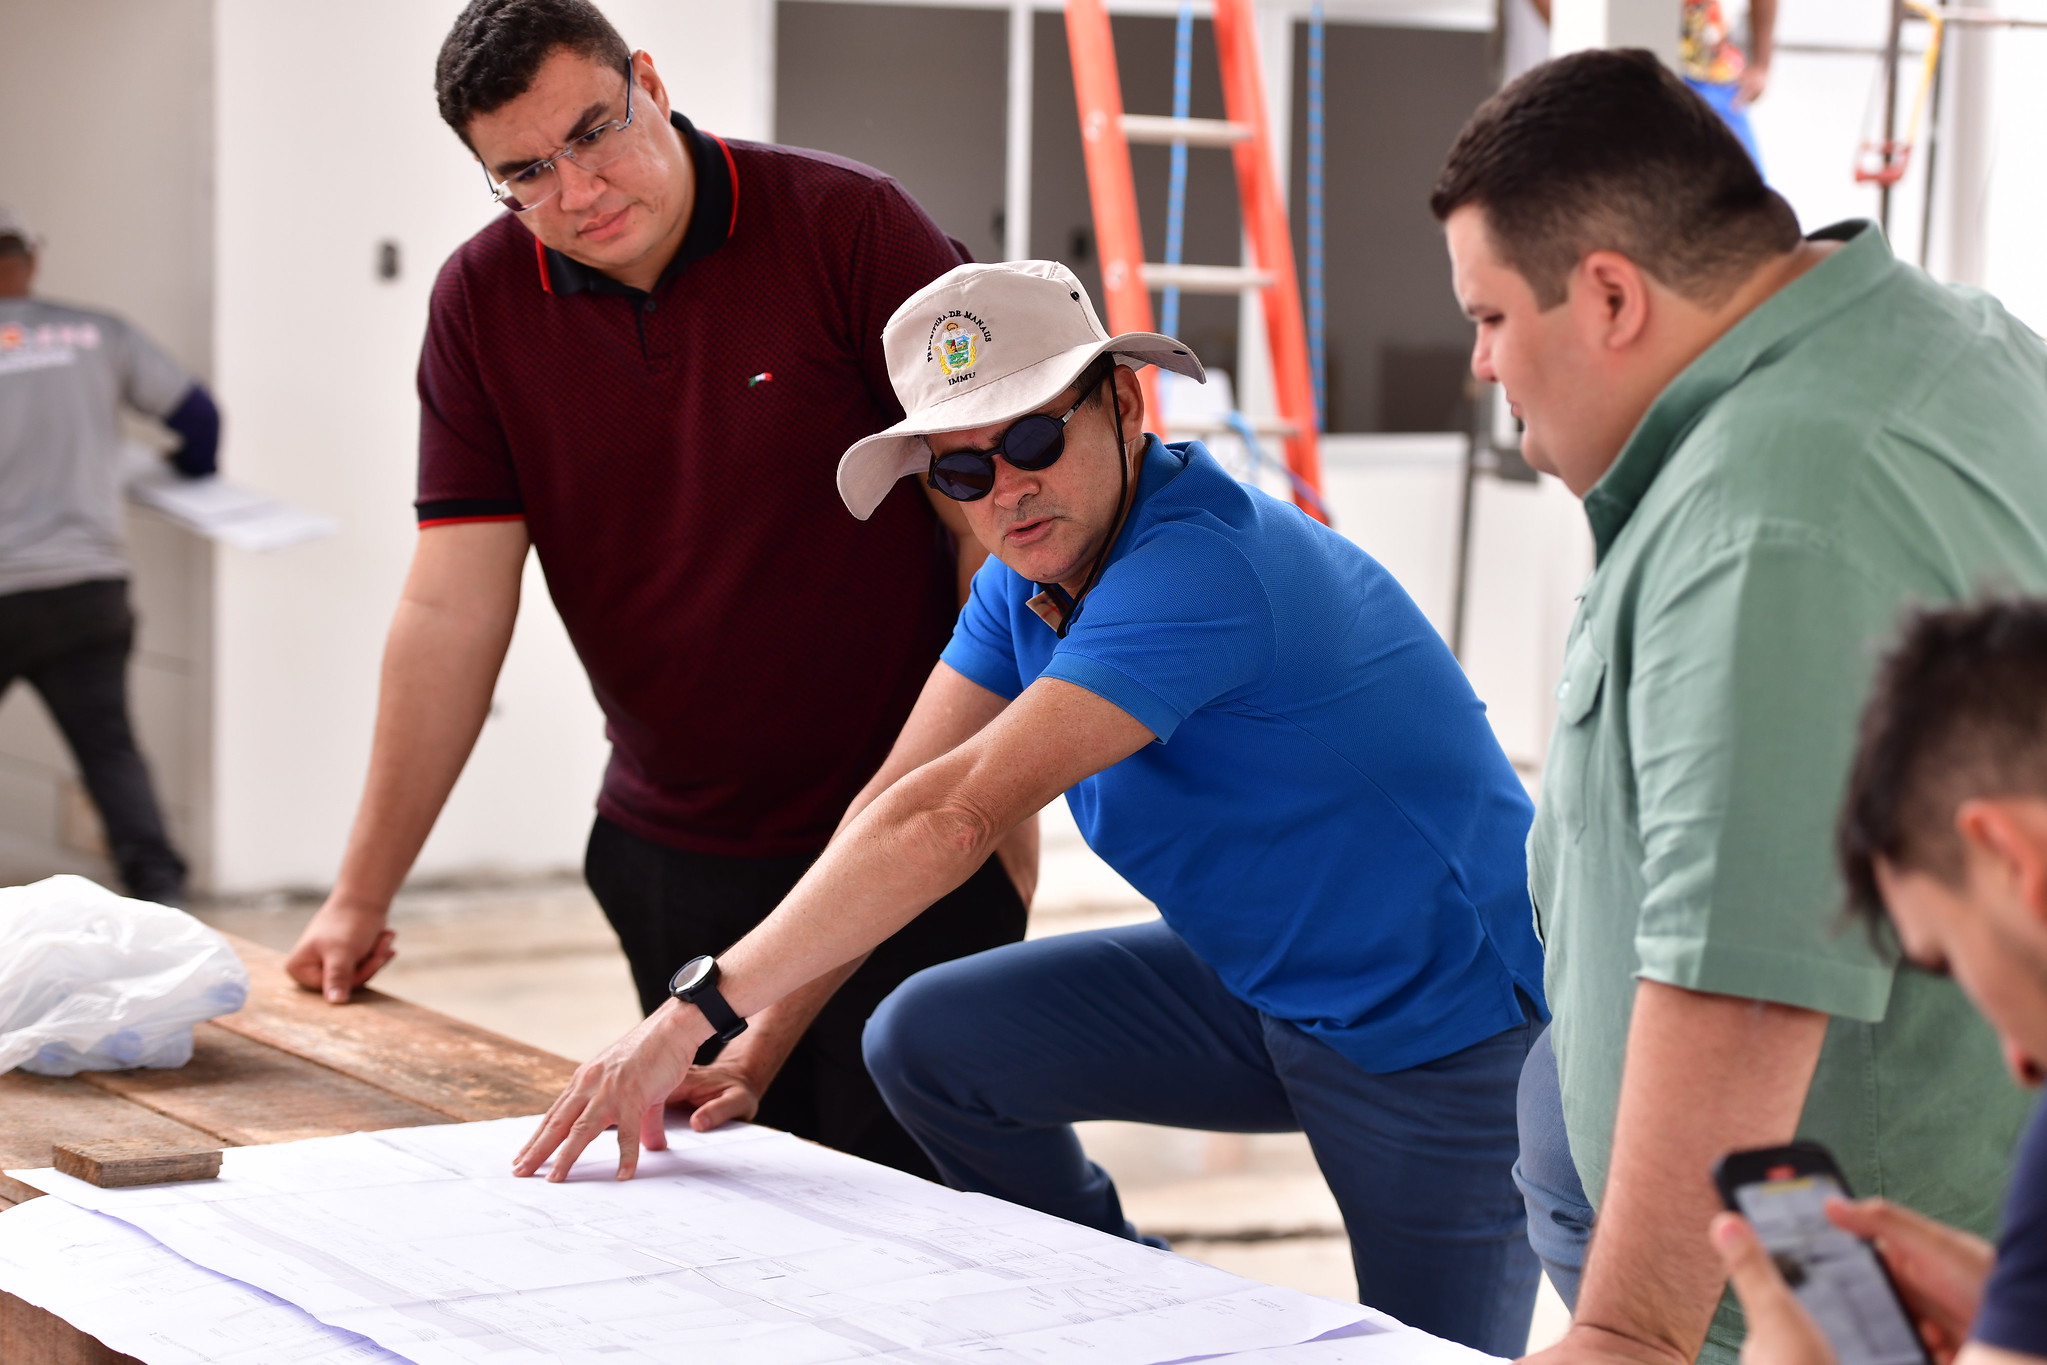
{"points": [[1325, 817]]}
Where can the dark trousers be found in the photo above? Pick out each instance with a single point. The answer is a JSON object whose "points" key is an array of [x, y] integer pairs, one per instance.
{"points": [[991, 1060], [668, 906], [72, 645]]}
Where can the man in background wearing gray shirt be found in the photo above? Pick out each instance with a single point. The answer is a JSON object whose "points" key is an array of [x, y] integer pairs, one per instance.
{"points": [[65, 624]]}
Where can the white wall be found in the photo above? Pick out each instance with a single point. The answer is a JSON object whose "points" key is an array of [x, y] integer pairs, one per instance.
{"points": [[2013, 192], [315, 361], [106, 107], [1400, 497], [1819, 108]]}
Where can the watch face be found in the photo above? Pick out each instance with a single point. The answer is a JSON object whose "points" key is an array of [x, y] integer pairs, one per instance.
{"points": [[692, 975]]}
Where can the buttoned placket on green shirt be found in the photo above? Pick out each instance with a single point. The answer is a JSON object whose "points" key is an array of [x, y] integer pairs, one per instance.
{"points": [[1864, 440]]}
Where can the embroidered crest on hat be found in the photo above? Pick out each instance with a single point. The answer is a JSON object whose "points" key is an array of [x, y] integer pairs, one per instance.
{"points": [[955, 343]]}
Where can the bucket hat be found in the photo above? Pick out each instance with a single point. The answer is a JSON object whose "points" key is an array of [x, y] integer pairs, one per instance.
{"points": [[981, 345]]}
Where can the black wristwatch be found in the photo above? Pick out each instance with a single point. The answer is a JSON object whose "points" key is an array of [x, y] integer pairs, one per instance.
{"points": [[696, 983]]}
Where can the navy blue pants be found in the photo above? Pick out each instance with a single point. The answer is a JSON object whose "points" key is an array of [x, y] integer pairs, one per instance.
{"points": [[988, 1061]]}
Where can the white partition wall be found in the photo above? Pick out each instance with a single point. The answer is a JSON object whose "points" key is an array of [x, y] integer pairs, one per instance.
{"points": [[106, 107]]}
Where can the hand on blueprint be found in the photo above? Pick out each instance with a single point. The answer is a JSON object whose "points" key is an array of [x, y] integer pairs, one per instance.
{"points": [[723, 1092], [626, 1087]]}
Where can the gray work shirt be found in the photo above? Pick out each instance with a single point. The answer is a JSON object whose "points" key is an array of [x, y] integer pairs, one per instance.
{"points": [[64, 373]]}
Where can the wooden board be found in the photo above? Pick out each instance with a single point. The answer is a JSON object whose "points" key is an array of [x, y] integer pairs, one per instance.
{"points": [[287, 1066], [242, 1092], [29, 1336], [37, 1112], [462, 1071], [117, 1163]]}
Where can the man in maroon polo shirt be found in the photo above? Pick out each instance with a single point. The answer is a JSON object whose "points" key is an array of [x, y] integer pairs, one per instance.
{"points": [[646, 372]]}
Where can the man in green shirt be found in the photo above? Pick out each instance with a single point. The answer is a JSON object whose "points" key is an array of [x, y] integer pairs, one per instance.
{"points": [[1780, 442]]}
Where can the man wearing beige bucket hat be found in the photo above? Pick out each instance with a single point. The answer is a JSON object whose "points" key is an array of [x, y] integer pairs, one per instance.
{"points": [[1252, 723]]}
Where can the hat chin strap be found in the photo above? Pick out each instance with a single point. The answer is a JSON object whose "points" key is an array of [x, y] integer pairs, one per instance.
{"points": [[1067, 604]]}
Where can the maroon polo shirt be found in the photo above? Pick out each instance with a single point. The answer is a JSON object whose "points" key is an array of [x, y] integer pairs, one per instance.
{"points": [[755, 648]]}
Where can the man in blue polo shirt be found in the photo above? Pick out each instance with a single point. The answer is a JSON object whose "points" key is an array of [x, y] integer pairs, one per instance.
{"points": [[1256, 726]]}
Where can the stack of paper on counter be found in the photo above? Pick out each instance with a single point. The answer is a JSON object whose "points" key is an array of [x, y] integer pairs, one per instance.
{"points": [[743, 1244], [216, 508]]}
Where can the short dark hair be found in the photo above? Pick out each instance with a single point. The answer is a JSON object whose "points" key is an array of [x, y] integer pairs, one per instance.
{"points": [[1959, 711], [13, 244], [496, 47], [1608, 150]]}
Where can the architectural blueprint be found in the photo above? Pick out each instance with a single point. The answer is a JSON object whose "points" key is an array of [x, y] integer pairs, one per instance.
{"points": [[119, 1284], [744, 1243]]}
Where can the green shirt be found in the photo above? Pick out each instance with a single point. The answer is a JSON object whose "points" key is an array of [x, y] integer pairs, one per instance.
{"points": [[1865, 440]]}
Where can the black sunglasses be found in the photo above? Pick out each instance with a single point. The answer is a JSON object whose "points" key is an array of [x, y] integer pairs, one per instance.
{"points": [[1031, 443]]}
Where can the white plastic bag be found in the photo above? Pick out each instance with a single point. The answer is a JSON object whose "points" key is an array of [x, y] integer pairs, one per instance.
{"points": [[92, 981]]}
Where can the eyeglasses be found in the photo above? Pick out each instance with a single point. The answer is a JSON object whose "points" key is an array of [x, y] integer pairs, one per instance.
{"points": [[1031, 443], [525, 190]]}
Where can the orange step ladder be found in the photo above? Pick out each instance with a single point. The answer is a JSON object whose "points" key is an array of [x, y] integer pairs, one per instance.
{"points": [[1127, 279]]}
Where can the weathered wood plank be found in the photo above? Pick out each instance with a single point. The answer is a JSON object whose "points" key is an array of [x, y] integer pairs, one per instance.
{"points": [[30, 1336], [37, 1112], [247, 1092], [118, 1163], [422, 1055]]}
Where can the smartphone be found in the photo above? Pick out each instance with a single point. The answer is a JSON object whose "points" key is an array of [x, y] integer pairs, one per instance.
{"points": [[1840, 1279]]}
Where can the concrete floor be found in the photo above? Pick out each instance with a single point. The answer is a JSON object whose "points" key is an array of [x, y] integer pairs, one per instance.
{"points": [[536, 961]]}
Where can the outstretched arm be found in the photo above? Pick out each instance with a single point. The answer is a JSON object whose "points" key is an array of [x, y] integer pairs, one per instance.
{"points": [[950, 711], [1705, 1075], [913, 843], [447, 642]]}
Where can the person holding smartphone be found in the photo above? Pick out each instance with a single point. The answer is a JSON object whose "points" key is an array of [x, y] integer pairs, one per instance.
{"points": [[1943, 844]]}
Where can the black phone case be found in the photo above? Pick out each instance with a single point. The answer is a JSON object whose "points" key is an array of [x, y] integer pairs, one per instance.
{"points": [[1737, 1169], [1747, 1168]]}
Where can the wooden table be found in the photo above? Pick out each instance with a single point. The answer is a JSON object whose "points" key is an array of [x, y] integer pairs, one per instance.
{"points": [[286, 1066]]}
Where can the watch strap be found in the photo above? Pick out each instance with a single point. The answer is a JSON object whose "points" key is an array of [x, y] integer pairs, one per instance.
{"points": [[725, 1023]]}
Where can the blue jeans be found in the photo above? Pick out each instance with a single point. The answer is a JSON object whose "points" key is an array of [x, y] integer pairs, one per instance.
{"points": [[1559, 1215], [988, 1061]]}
